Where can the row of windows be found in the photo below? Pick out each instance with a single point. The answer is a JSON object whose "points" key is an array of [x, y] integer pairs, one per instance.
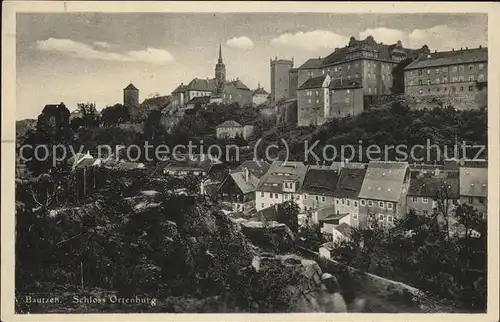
{"points": [[310, 93], [381, 204], [453, 89], [381, 217], [471, 67], [454, 79], [346, 202]]}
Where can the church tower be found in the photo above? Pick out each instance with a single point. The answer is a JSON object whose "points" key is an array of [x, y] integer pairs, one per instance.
{"points": [[220, 73]]}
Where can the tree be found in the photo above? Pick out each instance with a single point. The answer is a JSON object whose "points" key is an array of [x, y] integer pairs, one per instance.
{"points": [[470, 220], [287, 213], [90, 116], [116, 114]]}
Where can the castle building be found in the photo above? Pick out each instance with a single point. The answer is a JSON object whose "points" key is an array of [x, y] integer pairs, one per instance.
{"points": [[131, 96], [218, 89], [361, 68], [280, 79], [459, 73]]}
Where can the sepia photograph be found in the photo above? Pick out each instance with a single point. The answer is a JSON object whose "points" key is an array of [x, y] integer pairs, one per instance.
{"points": [[251, 162]]}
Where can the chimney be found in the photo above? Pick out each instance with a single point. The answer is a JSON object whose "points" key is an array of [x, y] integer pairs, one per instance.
{"points": [[247, 174], [466, 48], [453, 49], [480, 46]]}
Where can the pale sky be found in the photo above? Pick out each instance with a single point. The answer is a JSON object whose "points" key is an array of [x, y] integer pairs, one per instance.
{"points": [[76, 57]]}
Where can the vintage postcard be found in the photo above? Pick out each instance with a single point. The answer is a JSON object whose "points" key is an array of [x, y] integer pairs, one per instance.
{"points": [[250, 161]]}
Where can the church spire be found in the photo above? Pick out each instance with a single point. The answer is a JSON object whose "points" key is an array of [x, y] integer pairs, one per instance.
{"points": [[220, 53]]}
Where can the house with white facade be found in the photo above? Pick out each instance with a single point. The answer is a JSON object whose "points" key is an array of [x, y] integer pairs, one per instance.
{"points": [[282, 182], [231, 129], [383, 193]]}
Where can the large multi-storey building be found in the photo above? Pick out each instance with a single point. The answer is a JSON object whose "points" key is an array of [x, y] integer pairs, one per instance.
{"points": [[462, 72], [280, 79], [321, 99], [363, 67]]}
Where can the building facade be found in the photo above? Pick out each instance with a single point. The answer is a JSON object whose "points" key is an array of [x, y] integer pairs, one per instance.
{"points": [[433, 191], [131, 96], [282, 182], [231, 129], [474, 186], [313, 101], [459, 73], [259, 96], [218, 89], [361, 68], [280, 79], [382, 197], [318, 189]]}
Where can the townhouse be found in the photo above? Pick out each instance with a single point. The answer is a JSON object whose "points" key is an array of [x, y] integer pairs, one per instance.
{"points": [[346, 194], [318, 188], [474, 185], [237, 190], [282, 182], [434, 191], [383, 193]]}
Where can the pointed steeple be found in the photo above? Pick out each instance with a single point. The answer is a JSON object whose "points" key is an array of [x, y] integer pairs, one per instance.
{"points": [[220, 53]]}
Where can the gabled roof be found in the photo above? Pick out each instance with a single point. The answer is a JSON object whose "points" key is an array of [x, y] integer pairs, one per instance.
{"points": [[157, 101], [384, 180], [244, 185], [181, 88], [281, 171], [193, 162], [131, 87], [320, 181], [429, 186], [345, 83], [200, 100], [344, 229], [311, 63], [257, 169], [333, 217], [462, 56], [229, 123], [238, 84], [350, 183], [260, 91], [197, 84], [314, 82], [473, 182]]}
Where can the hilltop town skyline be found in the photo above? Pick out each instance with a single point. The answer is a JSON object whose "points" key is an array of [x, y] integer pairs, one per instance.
{"points": [[69, 57]]}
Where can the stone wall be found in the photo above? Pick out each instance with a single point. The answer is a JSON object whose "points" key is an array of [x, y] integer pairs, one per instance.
{"points": [[381, 291]]}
